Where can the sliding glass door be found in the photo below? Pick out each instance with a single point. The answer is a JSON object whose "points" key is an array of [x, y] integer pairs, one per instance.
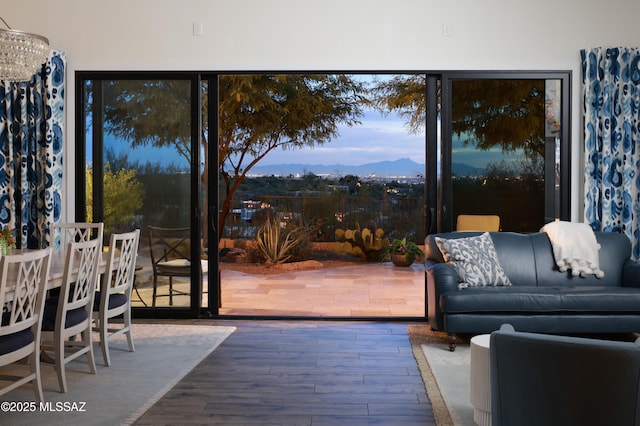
{"points": [[505, 150], [183, 150], [141, 147]]}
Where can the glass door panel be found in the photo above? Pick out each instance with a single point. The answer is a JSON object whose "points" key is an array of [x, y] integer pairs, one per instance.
{"points": [[502, 157], [139, 167]]}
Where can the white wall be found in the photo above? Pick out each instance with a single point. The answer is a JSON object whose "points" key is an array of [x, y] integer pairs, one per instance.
{"points": [[366, 35]]}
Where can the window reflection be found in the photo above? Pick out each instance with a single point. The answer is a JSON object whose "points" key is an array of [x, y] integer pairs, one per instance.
{"points": [[498, 150]]}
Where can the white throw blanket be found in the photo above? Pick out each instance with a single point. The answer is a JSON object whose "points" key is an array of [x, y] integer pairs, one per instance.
{"points": [[575, 248]]}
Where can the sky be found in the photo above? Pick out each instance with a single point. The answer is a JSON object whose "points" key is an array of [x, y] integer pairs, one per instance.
{"points": [[378, 138]]}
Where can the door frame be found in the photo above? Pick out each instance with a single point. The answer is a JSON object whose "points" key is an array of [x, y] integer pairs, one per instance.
{"points": [[444, 192], [81, 77]]}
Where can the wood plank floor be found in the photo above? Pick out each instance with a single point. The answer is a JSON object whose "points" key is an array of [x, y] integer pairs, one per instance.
{"points": [[301, 373]]}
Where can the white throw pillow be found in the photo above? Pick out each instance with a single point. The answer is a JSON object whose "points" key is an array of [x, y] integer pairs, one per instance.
{"points": [[475, 261]]}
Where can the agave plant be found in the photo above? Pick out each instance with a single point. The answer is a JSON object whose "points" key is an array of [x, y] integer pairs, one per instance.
{"points": [[275, 247]]}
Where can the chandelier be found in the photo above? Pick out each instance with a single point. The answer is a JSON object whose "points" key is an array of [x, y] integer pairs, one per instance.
{"points": [[21, 54]]}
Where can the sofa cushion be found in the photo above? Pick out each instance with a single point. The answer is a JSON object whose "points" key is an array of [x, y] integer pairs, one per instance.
{"points": [[475, 261], [565, 299]]}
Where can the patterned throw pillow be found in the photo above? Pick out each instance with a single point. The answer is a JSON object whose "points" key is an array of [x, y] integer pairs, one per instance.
{"points": [[475, 261]]}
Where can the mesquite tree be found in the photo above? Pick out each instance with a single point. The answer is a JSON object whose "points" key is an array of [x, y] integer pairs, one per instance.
{"points": [[262, 113], [258, 113]]}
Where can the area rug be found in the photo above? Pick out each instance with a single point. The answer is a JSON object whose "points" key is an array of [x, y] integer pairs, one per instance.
{"points": [[445, 375], [119, 394]]}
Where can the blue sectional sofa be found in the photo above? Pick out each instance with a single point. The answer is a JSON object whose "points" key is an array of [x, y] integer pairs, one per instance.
{"points": [[540, 297]]}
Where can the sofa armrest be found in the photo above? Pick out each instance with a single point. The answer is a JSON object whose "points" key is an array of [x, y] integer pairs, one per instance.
{"points": [[445, 276], [441, 278], [631, 274]]}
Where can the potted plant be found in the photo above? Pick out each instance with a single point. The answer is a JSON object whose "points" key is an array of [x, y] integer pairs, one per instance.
{"points": [[403, 252]]}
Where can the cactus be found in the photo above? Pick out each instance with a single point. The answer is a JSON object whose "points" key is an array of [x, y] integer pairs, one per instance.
{"points": [[363, 243]]}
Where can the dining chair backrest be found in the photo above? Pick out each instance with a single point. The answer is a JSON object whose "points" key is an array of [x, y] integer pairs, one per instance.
{"points": [[79, 231], [80, 278], [121, 262], [23, 279]]}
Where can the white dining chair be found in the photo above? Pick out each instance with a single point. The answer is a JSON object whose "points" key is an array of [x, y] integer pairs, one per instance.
{"points": [[66, 325], [23, 279], [114, 297]]}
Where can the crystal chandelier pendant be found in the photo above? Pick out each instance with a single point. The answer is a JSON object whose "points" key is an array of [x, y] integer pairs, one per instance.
{"points": [[21, 54]]}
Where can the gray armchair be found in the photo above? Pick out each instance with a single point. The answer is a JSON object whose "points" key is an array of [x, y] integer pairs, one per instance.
{"points": [[539, 379]]}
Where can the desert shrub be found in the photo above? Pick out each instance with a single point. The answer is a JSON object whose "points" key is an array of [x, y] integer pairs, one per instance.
{"points": [[304, 249], [277, 244]]}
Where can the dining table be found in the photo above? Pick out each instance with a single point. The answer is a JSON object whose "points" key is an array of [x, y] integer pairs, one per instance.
{"points": [[58, 260]]}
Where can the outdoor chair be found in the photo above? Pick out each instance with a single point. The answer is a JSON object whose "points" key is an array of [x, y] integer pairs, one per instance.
{"points": [[23, 280], [476, 222], [114, 297], [170, 250]]}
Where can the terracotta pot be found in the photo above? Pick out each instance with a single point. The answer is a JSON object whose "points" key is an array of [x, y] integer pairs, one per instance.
{"points": [[399, 259]]}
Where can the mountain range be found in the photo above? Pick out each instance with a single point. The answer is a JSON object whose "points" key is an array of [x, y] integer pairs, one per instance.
{"points": [[403, 167]]}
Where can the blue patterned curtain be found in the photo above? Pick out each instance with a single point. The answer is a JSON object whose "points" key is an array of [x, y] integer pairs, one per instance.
{"points": [[611, 89], [31, 133]]}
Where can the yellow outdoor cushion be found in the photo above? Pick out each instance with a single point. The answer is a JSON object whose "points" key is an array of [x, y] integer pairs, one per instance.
{"points": [[474, 222]]}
